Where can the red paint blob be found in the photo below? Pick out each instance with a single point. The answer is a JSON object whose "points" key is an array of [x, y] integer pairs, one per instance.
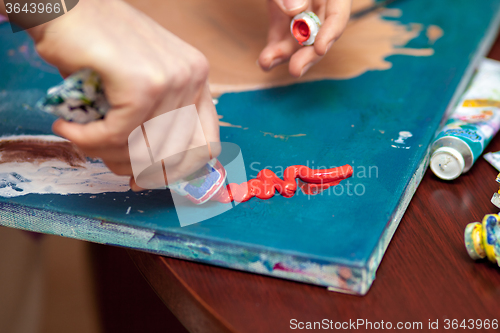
{"points": [[311, 181], [301, 31]]}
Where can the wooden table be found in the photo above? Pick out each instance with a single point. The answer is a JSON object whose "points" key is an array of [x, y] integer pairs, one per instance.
{"points": [[425, 275]]}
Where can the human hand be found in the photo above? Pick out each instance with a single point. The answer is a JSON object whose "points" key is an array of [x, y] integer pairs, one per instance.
{"points": [[146, 71], [282, 46]]}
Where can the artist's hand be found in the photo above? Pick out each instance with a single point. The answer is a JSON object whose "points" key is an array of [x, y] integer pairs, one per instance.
{"points": [[282, 46], [146, 71]]}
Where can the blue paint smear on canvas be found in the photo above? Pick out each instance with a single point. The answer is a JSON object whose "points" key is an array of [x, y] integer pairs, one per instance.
{"points": [[346, 122]]}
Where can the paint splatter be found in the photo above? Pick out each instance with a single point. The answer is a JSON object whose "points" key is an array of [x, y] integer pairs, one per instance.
{"points": [[433, 33], [282, 136], [226, 124], [403, 135], [401, 140], [267, 183], [392, 12]]}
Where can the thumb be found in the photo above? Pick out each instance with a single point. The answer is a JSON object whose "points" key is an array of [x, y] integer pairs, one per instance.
{"points": [[292, 7]]}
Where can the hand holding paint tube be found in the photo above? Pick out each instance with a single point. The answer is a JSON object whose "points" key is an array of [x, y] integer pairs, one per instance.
{"points": [[147, 72], [471, 126], [332, 16], [80, 98]]}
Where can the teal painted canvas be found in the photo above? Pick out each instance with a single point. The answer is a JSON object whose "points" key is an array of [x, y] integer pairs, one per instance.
{"points": [[380, 122]]}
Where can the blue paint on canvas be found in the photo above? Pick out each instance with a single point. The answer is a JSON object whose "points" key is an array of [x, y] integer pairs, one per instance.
{"points": [[352, 121]]}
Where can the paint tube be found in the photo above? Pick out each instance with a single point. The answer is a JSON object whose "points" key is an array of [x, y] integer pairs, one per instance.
{"points": [[496, 196], [80, 98], [304, 27], [494, 159], [471, 125], [483, 239]]}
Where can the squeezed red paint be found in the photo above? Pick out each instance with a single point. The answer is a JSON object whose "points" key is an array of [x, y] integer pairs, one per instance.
{"points": [[311, 181]]}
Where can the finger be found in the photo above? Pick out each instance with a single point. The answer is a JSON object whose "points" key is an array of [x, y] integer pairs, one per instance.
{"points": [[279, 23], [208, 115], [292, 7], [281, 45], [302, 60], [134, 187], [113, 130], [89, 136], [336, 17], [64, 74], [120, 168], [190, 160], [111, 154], [277, 53]]}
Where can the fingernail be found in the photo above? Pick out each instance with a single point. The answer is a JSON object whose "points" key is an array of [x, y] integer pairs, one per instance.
{"points": [[305, 69], [293, 4], [275, 62], [329, 46]]}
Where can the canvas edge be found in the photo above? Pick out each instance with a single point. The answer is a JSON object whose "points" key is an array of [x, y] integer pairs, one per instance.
{"points": [[342, 278], [411, 188]]}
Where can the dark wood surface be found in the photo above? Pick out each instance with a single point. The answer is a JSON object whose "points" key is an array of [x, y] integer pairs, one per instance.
{"points": [[425, 274]]}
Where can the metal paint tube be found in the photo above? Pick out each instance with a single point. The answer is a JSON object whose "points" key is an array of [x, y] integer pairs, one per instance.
{"points": [[80, 98], [471, 125], [304, 28], [494, 159], [483, 239], [496, 196]]}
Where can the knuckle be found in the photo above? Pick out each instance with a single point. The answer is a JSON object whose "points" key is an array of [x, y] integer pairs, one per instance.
{"points": [[181, 76], [156, 82], [199, 67], [148, 85]]}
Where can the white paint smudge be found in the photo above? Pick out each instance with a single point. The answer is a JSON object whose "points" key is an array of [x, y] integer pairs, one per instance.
{"points": [[403, 135], [393, 146]]}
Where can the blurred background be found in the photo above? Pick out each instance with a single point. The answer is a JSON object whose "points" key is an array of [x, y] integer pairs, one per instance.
{"points": [[51, 284]]}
